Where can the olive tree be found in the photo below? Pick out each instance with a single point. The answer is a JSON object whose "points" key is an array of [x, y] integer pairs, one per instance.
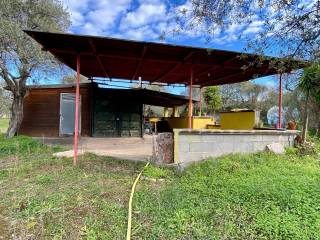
{"points": [[287, 28], [20, 57]]}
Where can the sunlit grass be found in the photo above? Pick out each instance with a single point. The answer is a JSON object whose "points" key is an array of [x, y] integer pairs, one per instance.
{"points": [[256, 196]]}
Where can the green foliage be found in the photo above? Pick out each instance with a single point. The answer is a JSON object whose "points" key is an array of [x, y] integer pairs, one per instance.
{"points": [[212, 98], [44, 196], [259, 196], [156, 172], [5, 100], [20, 145], [288, 28], [310, 81], [4, 123], [20, 56]]}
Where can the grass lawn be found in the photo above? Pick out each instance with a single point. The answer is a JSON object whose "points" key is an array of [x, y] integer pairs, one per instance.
{"points": [[4, 123], [258, 196]]}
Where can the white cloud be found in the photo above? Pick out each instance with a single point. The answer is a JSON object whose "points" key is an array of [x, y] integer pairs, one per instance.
{"points": [[141, 33], [147, 19], [146, 13], [95, 16], [254, 27]]}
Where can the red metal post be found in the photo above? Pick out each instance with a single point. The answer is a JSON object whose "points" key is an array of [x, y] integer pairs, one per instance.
{"points": [[200, 102], [280, 101], [76, 123], [190, 110]]}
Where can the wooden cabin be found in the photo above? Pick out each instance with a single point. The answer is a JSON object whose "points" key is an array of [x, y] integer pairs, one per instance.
{"points": [[49, 110]]}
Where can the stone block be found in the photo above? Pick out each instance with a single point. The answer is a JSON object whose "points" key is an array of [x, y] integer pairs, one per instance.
{"points": [[276, 148], [163, 148]]}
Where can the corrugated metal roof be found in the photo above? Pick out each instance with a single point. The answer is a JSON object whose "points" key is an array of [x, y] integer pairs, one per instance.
{"points": [[154, 62]]}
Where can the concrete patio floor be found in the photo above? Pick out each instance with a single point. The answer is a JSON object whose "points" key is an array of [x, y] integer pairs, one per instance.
{"points": [[130, 148]]}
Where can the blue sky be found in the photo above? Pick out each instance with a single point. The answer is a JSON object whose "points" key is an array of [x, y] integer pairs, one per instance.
{"points": [[147, 19]]}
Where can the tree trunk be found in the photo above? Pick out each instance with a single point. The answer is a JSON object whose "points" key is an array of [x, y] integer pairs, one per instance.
{"points": [[16, 114], [305, 119]]}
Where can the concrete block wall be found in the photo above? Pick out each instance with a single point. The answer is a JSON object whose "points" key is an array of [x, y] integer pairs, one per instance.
{"points": [[196, 145]]}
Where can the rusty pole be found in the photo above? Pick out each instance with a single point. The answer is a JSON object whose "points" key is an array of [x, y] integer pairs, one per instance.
{"points": [[200, 102], [190, 110], [76, 123], [280, 101]]}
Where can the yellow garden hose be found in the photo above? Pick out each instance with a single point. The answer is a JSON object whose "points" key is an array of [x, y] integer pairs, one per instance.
{"points": [[130, 201]]}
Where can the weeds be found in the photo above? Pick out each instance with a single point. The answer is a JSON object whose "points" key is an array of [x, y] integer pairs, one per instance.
{"points": [[253, 196]]}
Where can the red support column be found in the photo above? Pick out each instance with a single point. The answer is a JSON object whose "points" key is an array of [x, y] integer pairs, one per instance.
{"points": [[190, 110], [280, 102], [200, 102], [76, 123]]}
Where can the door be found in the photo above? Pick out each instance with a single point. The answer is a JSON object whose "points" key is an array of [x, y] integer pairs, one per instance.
{"points": [[67, 113]]}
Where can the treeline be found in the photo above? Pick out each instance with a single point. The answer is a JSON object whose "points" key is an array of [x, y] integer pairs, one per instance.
{"points": [[248, 95]]}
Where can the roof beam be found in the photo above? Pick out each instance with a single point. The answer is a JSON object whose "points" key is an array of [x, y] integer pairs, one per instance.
{"points": [[222, 80], [174, 67], [98, 59], [212, 68], [144, 50], [207, 70], [55, 51]]}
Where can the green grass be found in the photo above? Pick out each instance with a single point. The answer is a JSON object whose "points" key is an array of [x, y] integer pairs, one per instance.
{"points": [[4, 123], [258, 196]]}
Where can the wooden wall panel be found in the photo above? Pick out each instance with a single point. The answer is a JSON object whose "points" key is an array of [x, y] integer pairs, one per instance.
{"points": [[42, 111]]}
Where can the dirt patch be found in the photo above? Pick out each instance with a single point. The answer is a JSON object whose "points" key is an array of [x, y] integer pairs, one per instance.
{"points": [[136, 149], [7, 162], [4, 225]]}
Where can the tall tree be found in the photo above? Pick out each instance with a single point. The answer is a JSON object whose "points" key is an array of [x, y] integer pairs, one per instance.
{"points": [[310, 85], [212, 98], [20, 56], [282, 27]]}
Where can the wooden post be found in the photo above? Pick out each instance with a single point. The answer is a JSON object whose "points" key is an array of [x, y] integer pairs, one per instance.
{"points": [[280, 102], [176, 111], [76, 124], [165, 112], [190, 100]]}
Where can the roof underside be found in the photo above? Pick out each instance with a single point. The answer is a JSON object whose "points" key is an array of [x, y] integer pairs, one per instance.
{"points": [[153, 62], [144, 96]]}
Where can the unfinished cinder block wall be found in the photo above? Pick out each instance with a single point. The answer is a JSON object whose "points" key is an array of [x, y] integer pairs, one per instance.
{"points": [[196, 145]]}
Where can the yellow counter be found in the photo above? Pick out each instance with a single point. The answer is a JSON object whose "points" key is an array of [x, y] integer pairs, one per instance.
{"points": [[197, 122], [238, 120]]}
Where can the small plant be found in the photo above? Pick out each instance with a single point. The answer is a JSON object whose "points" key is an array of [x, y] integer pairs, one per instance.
{"points": [[307, 148], [156, 172], [291, 150]]}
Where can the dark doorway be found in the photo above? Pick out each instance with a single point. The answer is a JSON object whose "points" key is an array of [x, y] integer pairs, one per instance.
{"points": [[116, 115]]}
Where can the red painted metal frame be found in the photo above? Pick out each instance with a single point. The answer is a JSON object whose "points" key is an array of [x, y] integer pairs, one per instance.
{"points": [[76, 123], [163, 63], [200, 102], [190, 110], [280, 102]]}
